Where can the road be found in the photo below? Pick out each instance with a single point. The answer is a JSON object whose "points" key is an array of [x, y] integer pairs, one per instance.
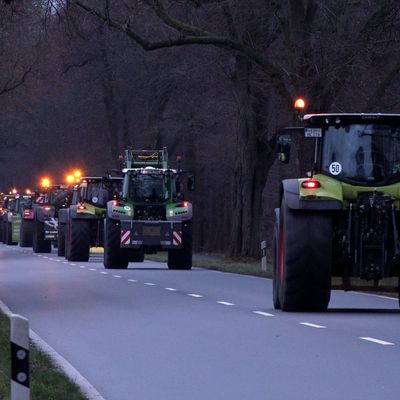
{"points": [[149, 333]]}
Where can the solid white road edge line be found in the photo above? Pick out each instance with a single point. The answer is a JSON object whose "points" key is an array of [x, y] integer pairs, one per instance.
{"points": [[264, 314], [312, 325], [225, 303], [378, 341], [59, 361]]}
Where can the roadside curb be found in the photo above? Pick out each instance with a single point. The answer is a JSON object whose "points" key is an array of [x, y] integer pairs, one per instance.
{"points": [[60, 362]]}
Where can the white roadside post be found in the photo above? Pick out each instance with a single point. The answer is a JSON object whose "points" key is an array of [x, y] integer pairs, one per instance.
{"points": [[19, 358], [264, 256]]}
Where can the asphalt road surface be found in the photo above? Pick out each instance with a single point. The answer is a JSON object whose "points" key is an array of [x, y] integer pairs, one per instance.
{"points": [[149, 333]]}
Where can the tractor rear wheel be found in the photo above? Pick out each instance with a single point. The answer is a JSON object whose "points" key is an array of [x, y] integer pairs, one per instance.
{"points": [[26, 233], [275, 266], [182, 258], [39, 244], [61, 240], [114, 256], [79, 240], [136, 255], [305, 258]]}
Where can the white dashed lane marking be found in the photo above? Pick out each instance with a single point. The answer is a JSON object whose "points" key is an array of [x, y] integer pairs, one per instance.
{"points": [[378, 341], [132, 280], [170, 289], [104, 273], [116, 276], [310, 325], [149, 284], [92, 269], [195, 295], [225, 303], [264, 314]]}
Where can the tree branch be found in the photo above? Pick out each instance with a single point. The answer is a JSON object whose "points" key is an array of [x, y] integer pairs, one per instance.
{"points": [[9, 86]]}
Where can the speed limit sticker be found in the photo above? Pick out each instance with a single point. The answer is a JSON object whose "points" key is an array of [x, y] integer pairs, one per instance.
{"points": [[335, 168]]}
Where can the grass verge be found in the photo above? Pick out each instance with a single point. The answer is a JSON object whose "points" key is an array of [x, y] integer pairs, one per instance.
{"points": [[47, 383], [216, 262]]}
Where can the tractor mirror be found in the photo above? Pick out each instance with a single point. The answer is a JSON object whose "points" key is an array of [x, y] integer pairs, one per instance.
{"points": [[191, 184], [284, 142]]}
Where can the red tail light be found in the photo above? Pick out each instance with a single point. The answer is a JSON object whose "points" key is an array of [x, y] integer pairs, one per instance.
{"points": [[81, 207], [186, 204], [27, 213], [311, 184], [47, 208], [116, 203]]}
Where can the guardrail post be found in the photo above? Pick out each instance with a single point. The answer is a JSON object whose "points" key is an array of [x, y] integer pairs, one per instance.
{"points": [[19, 358], [264, 256]]}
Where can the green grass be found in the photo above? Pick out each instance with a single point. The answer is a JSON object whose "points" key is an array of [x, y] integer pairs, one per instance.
{"points": [[219, 263], [47, 383]]}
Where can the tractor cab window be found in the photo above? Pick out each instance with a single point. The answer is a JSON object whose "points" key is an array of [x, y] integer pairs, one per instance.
{"points": [[148, 188], [362, 153], [94, 193], [58, 198]]}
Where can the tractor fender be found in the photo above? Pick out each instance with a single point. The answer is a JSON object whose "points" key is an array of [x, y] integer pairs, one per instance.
{"points": [[291, 194]]}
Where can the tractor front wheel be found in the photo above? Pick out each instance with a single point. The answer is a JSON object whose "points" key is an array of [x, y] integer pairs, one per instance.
{"points": [[114, 256], [39, 244]]}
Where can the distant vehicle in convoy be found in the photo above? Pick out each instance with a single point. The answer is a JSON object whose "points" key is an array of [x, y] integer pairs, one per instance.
{"points": [[45, 216], [152, 215], [10, 220], [81, 225], [342, 220]]}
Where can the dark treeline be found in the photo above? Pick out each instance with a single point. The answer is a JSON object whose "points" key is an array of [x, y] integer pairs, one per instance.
{"points": [[212, 80]]}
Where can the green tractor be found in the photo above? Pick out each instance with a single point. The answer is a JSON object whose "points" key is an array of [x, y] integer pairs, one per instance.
{"points": [[152, 214], [45, 216], [81, 226], [342, 220]]}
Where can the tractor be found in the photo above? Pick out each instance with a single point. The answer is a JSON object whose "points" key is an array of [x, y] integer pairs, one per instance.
{"points": [[45, 216], [340, 222], [81, 225], [152, 215]]}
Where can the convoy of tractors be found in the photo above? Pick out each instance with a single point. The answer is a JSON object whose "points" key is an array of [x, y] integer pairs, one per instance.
{"points": [[141, 210], [339, 221]]}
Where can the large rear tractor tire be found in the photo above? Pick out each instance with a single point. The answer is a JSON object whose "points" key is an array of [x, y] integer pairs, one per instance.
{"points": [[305, 259], [114, 256], [26, 233], [182, 258], [61, 240], [79, 231], [39, 244], [275, 264]]}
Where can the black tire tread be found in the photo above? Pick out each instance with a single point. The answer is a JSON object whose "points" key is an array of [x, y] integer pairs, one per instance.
{"points": [[114, 256]]}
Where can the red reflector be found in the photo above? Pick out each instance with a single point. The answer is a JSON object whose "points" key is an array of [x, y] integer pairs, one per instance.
{"points": [[311, 184], [47, 208], [185, 204]]}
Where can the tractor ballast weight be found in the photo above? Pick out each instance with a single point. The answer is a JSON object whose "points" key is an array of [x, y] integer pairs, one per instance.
{"points": [[152, 214], [342, 220]]}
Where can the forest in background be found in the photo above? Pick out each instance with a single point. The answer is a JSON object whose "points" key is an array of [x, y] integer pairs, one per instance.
{"points": [[80, 80]]}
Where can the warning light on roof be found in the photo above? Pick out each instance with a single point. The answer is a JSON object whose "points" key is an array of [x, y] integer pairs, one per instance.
{"points": [[77, 173], [28, 191], [14, 191], [45, 182], [70, 179], [300, 104]]}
